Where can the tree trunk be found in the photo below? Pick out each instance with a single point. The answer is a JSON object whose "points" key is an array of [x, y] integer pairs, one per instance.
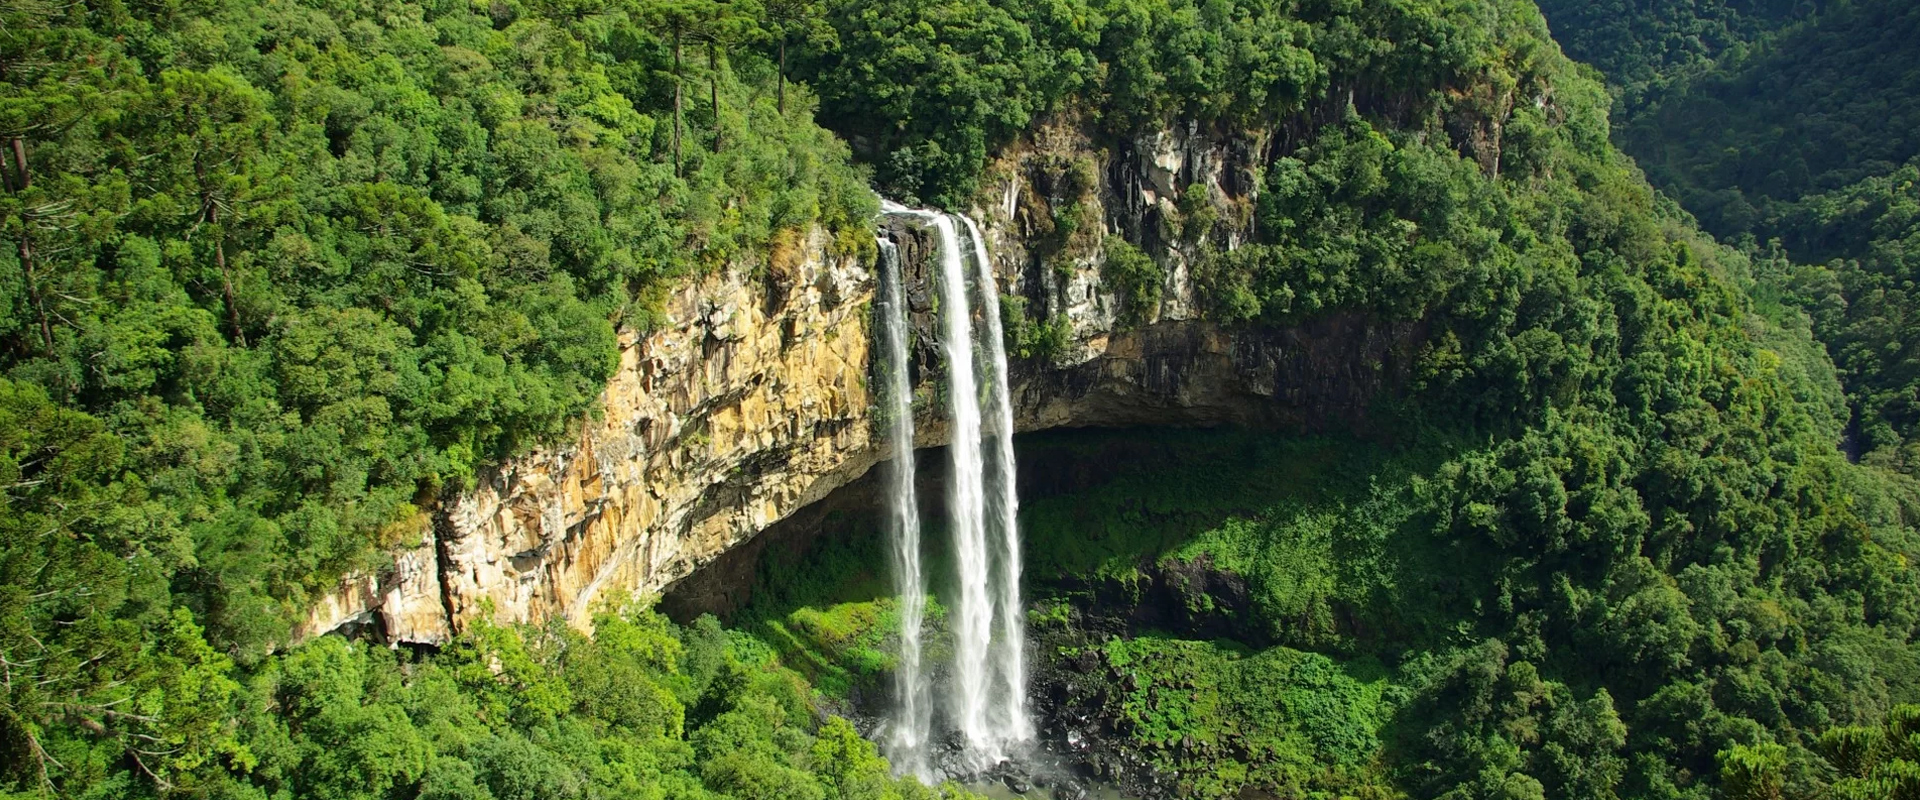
{"points": [[713, 90], [781, 81], [20, 163], [676, 102], [7, 176], [210, 214], [226, 277], [1502, 114], [39, 301], [24, 246]]}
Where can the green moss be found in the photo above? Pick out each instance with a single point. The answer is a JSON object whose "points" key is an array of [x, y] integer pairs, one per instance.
{"points": [[1226, 719], [838, 647]]}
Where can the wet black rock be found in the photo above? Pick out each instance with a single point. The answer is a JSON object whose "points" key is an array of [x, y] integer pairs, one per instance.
{"points": [[1077, 742], [1017, 784], [1070, 790], [951, 764]]}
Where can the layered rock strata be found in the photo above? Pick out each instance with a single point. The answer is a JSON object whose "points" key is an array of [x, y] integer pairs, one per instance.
{"points": [[751, 401]]}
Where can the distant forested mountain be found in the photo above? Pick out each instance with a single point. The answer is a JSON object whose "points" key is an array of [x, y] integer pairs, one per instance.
{"points": [[1645, 44], [281, 277], [1799, 130]]}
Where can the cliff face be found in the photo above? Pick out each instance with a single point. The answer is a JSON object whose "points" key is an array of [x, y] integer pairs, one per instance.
{"points": [[749, 402], [752, 402]]}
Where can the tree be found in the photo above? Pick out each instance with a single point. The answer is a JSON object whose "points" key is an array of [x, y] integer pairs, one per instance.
{"points": [[1753, 772], [788, 20], [848, 765], [681, 18], [93, 667], [53, 75], [1879, 761], [207, 132]]}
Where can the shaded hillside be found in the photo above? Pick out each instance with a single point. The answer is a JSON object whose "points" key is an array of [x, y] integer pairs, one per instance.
{"points": [[1822, 107], [289, 272], [1643, 46], [1800, 133]]}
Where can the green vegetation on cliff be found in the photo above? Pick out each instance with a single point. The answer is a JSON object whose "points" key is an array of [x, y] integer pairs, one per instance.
{"points": [[931, 89], [280, 274], [315, 263]]}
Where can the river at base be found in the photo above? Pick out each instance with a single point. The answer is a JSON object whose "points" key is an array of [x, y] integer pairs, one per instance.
{"points": [[1046, 775], [999, 791]]}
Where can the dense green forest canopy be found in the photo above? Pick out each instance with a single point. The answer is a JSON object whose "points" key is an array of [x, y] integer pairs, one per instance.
{"points": [[282, 273], [929, 89], [316, 263], [1821, 107], [1644, 45], [1809, 143], [277, 274], [1801, 134]]}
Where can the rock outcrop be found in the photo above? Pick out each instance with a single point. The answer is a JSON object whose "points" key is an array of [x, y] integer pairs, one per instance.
{"points": [[751, 400]]}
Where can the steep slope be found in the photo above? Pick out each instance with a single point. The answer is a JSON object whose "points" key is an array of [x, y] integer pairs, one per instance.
{"points": [[1804, 138], [1823, 106], [1643, 47], [1644, 570]]}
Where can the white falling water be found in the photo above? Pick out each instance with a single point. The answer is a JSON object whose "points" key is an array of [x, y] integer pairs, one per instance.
{"points": [[1003, 503], [966, 504], [909, 732], [987, 700]]}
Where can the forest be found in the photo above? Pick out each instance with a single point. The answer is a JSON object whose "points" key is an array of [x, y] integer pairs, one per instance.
{"points": [[1793, 140], [1643, 48], [283, 275]]}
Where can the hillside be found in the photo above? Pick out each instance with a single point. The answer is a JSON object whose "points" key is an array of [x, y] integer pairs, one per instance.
{"points": [[289, 279], [1801, 136], [1643, 47]]}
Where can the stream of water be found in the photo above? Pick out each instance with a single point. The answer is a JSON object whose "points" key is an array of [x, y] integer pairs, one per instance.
{"points": [[985, 695], [909, 732], [1003, 501]]}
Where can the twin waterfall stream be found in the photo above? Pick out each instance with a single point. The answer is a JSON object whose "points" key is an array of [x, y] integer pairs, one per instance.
{"points": [[985, 695]]}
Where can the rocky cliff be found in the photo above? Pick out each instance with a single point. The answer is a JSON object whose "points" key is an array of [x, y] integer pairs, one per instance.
{"points": [[751, 401]]}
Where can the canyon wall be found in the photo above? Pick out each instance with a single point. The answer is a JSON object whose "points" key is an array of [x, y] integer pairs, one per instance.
{"points": [[751, 400]]}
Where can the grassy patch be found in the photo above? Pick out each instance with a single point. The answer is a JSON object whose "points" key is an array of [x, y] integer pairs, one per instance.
{"points": [[1318, 526], [1228, 719], [837, 647]]}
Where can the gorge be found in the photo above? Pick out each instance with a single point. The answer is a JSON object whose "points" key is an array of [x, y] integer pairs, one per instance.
{"points": [[534, 400], [700, 448]]}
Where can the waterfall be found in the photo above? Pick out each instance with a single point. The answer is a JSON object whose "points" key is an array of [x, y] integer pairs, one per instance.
{"points": [[966, 501], [986, 699], [1003, 501], [910, 731]]}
